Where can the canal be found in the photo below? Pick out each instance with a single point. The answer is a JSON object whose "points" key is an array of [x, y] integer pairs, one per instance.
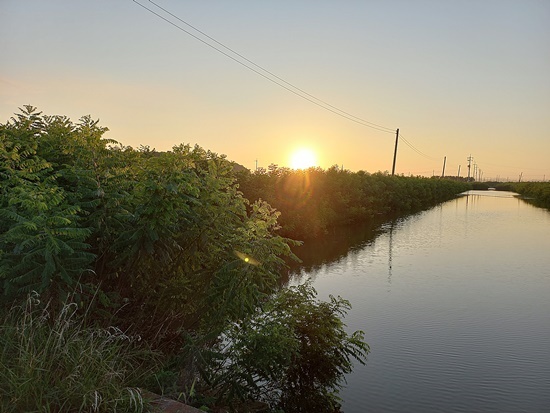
{"points": [[454, 302]]}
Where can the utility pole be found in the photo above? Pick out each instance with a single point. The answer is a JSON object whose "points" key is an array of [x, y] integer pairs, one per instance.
{"points": [[458, 174], [444, 162], [395, 152], [256, 164], [469, 159]]}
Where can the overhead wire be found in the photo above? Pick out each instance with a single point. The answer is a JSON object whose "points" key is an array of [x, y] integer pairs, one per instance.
{"points": [[268, 75], [297, 92], [390, 130], [418, 151]]}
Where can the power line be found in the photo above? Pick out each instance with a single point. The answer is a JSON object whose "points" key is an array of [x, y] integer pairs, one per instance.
{"points": [[418, 151], [278, 81], [252, 66], [269, 72]]}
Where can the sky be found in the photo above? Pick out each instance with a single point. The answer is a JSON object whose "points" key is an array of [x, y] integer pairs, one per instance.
{"points": [[459, 78]]}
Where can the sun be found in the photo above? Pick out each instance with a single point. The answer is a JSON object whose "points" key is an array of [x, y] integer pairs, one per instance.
{"points": [[303, 159]]}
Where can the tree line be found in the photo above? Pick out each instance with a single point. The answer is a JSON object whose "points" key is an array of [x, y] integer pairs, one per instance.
{"points": [[314, 200], [537, 193]]}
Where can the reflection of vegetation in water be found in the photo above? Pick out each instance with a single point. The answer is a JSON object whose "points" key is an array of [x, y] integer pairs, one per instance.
{"points": [[536, 193], [318, 251], [340, 243]]}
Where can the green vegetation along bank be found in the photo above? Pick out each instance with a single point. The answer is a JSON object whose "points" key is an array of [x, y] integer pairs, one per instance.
{"points": [[124, 269], [536, 192], [313, 201]]}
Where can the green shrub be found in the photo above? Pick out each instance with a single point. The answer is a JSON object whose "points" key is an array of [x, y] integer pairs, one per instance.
{"points": [[293, 354], [536, 192]]}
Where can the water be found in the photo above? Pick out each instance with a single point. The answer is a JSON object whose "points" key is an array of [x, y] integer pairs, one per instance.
{"points": [[455, 304]]}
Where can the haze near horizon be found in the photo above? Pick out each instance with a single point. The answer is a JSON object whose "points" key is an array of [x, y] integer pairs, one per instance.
{"points": [[456, 78]]}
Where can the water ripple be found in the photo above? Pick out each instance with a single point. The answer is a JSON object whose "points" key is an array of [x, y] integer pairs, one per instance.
{"points": [[454, 303]]}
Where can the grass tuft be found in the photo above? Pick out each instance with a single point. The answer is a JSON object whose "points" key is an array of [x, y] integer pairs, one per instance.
{"points": [[53, 363]]}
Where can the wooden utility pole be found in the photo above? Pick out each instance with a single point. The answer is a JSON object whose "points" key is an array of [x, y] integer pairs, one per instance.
{"points": [[444, 162], [395, 151]]}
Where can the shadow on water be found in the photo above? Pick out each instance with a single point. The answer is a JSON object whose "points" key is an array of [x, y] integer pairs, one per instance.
{"points": [[336, 245], [343, 241], [446, 296]]}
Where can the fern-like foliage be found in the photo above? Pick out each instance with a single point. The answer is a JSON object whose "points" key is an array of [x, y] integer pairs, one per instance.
{"points": [[42, 242]]}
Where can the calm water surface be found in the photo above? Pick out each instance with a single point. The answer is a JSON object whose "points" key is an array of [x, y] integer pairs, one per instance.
{"points": [[455, 304]]}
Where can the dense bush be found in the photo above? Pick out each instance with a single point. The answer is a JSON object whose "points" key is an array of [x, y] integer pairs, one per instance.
{"points": [[158, 232], [160, 245], [313, 201], [537, 192], [287, 353]]}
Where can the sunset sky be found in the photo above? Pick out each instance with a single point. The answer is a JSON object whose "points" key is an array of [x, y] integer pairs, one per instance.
{"points": [[456, 77]]}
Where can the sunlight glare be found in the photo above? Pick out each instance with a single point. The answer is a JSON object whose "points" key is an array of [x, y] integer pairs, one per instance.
{"points": [[303, 159]]}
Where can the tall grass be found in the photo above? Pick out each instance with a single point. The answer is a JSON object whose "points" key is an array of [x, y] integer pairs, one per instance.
{"points": [[53, 363]]}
